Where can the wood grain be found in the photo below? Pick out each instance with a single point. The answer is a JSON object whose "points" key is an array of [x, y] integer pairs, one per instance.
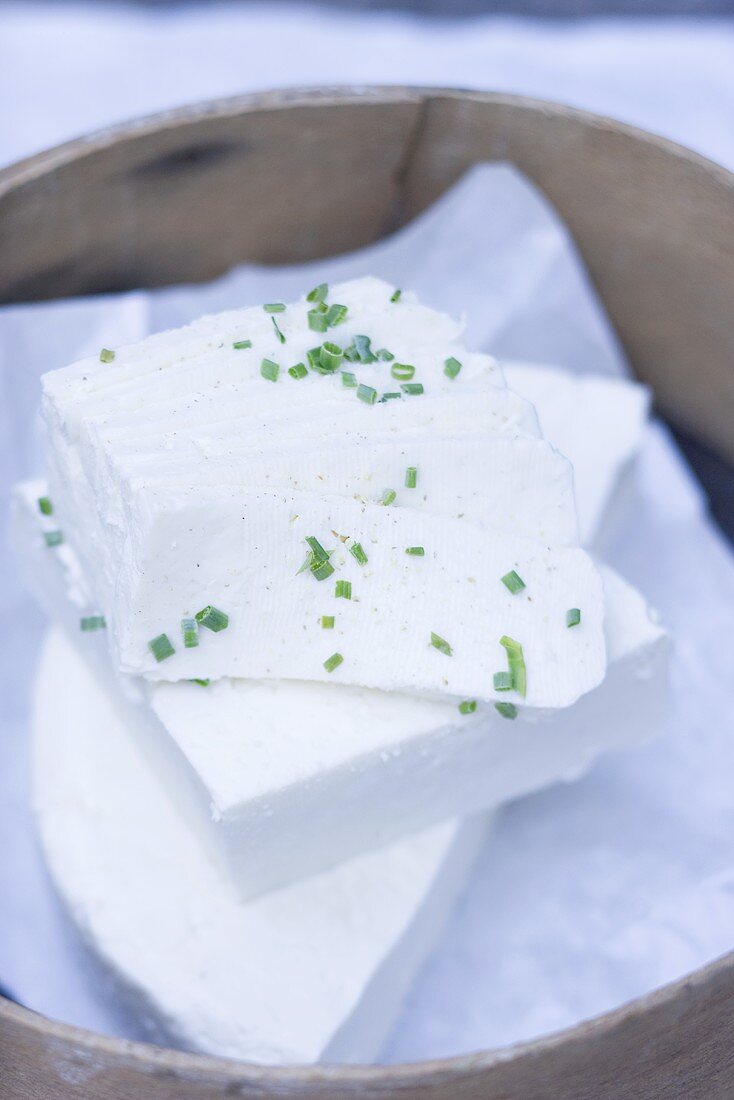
{"points": [[300, 174]]}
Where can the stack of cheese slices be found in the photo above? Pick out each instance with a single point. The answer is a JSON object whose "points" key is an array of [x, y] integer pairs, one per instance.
{"points": [[325, 604]]}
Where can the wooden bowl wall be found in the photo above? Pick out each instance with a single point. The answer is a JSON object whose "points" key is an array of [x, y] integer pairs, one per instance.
{"points": [[295, 175]]}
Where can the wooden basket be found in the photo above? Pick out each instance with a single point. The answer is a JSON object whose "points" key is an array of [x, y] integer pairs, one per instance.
{"points": [[295, 175]]}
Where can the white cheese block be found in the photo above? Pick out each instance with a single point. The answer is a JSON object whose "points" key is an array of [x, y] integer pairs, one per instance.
{"points": [[597, 423], [345, 769], [314, 971]]}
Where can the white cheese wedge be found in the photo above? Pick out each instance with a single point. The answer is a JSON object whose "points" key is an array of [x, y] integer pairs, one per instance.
{"points": [[345, 769], [314, 971], [595, 421]]}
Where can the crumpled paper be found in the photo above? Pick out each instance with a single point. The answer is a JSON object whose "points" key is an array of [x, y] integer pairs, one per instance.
{"points": [[585, 895]]}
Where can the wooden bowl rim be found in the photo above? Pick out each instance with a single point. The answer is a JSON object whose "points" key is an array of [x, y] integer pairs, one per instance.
{"points": [[145, 1056]]}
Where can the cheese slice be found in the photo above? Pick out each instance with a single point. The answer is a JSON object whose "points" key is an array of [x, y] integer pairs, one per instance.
{"points": [[597, 423], [345, 769], [314, 971]]}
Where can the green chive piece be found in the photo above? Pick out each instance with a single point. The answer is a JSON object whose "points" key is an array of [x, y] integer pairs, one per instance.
{"points": [[349, 379], [45, 507], [384, 355], [274, 307], [513, 582], [357, 552], [161, 647], [92, 622], [298, 371], [451, 367], [317, 321], [363, 349], [388, 496], [317, 549], [212, 618], [278, 333], [343, 590], [412, 387], [573, 616], [336, 315], [402, 371], [366, 394], [351, 355], [106, 356], [516, 661], [389, 397], [327, 622], [190, 632], [317, 561], [240, 345], [201, 683], [318, 294], [411, 477], [321, 570], [333, 662], [503, 681], [269, 370], [53, 538], [395, 297], [468, 706], [441, 644], [507, 710], [415, 551], [330, 356]]}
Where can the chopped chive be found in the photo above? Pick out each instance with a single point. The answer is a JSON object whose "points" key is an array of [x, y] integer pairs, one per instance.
{"points": [[395, 296], [451, 367], [507, 710], [402, 371], [468, 706], [161, 647], [92, 622], [363, 349], [366, 394], [389, 397], [53, 538], [212, 618], [330, 356], [388, 496], [516, 662], [415, 551], [336, 315], [441, 644], [278, 333], [201, 683], [411, 477], [573, 616], [298, 371], [317, 321], [190, 632], [349, 379], [269, 370], [274, 307], [333, 662], [351, 354], [321, 570], [45, 507], [513, 582], [503, 681], [240, 345], [412, 387], [106, 356], [384, 355], [314, 358], [317, 549], [327, 622], [343, 590], [357, 552], [318, 294]]}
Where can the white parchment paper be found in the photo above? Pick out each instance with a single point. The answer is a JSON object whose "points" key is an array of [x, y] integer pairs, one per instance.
{"points": [[585, 895]]}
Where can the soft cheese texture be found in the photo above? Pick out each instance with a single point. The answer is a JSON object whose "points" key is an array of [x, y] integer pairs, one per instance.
{"points": [[597, 423], [183, 477], [313, 971], [345, 769]]}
